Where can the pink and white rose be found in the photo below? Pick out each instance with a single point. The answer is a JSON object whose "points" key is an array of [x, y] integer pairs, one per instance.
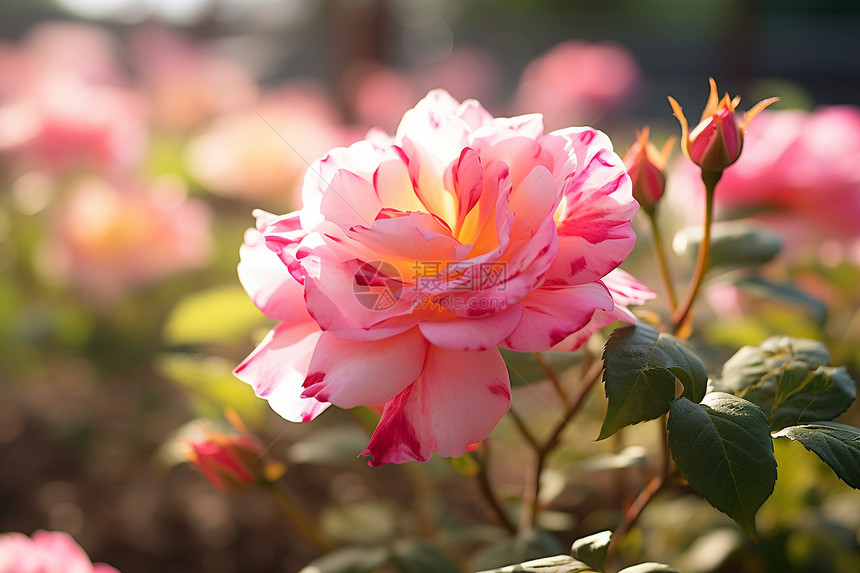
{"points": [[415, 257], [45, 552]]}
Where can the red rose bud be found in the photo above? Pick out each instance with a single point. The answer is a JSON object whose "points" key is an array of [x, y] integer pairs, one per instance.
{"points": [[716, 142], [646, 167], [231, 462], [226, 461]]}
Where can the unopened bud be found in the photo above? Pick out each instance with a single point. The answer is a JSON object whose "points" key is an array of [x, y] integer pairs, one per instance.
{"points": [[716, 142], [646, 167]]}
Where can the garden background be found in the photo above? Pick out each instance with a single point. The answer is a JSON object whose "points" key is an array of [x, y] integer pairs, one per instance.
{"points": [[137, 136]]}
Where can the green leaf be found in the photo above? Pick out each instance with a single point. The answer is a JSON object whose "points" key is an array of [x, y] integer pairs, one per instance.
{"points": [[219, 315], [523, 367], [349, 560], [336, 445], [733, 244], [724, 449], [649, 568], [212, 386], [788, 378], [641, 365], [359, 523], [535, 544], [786, 293], [838, 446], [416, 556], [555, 564], [591, 550]]}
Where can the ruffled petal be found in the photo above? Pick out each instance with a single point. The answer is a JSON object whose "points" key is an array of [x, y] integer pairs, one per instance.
{"points": [[456, 401], [392, 183], [472, 333], [511, 279], [551, 315], [347, 307], [350, 373], [278, 367], [361, 158], [268, 281], [626, 289], [467, 183], [349, 200], [595, 234], [600, 319]]}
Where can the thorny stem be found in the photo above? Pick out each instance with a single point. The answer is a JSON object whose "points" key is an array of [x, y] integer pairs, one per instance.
{"points": [[523, 429], [531, 496], [646, 495], [297, 516], [666, 275], [681, 314], [586, 384], [486, 486], [632, 514], [551, 375]]}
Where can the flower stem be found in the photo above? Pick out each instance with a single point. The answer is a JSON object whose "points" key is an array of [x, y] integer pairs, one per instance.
{"points": [[298, 517], [527, 434], [531, 496], [486, 486], [681, 314], [586, 384], [551, 375], [663, 263], [646, 495], [632, 514]]}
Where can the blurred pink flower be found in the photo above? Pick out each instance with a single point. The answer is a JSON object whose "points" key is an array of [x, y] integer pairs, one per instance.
{"points": [[413, 258], [185, 83], [797, 173], [108, 238], [379, 95], [62, 109], [94, 58], [45, 552], [262, 153], [575, 82]]}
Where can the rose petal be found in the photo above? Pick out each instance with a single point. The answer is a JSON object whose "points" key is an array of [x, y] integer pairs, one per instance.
{"points": [[594, 228], [279, 365], [339, 304], [600, 319], [472, 333], [551, 315], [361, 158], [348, 373], [456, 401], [626, 289], [349, 200], [268, 281], [392, 183]]}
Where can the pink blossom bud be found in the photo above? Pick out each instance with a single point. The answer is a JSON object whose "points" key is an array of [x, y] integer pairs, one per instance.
{"points": [[232, 462], [716, 142], [646, 167]]}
